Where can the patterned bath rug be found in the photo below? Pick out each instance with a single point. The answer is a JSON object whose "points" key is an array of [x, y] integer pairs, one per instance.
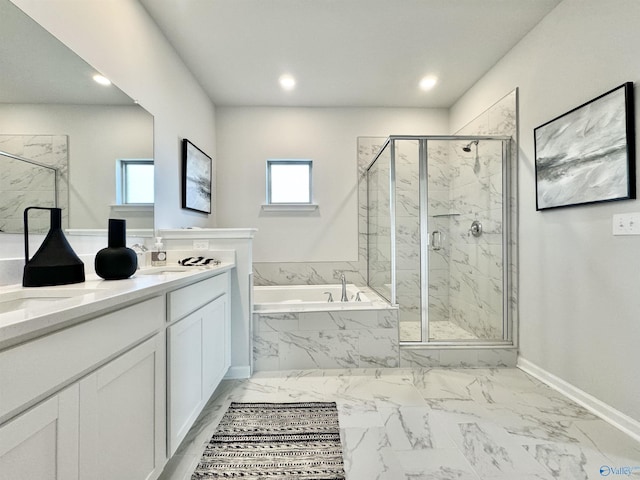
{"points": [[275, 441]]}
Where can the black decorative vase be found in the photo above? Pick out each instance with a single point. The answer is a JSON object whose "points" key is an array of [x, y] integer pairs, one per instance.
{"points": [[116, 262]]}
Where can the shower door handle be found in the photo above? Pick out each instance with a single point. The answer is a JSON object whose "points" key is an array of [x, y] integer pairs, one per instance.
{"points": [[436, 240]]}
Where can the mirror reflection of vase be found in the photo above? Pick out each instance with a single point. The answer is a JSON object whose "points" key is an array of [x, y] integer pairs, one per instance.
{"points": [[117, 261]]}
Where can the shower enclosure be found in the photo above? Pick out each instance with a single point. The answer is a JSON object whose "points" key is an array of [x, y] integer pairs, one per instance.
{"points": [[437, 239]]}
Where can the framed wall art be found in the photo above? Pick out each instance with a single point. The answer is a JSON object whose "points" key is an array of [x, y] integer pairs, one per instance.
{"points": [[196, 178], [587, 155]]}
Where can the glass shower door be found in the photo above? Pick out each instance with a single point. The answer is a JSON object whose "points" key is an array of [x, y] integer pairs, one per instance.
{"points": [[437, 232], [465, 257]]}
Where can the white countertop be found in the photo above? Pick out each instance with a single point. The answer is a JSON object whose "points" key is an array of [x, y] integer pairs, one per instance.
{"points": [[101, 296]]}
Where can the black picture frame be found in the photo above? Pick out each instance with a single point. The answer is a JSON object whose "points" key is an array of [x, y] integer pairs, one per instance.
{"points": [[587, 155], [196, 178]]}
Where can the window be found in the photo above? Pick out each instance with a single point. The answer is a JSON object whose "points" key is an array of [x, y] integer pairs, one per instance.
{"points": [[134, 181], [289, 182]]}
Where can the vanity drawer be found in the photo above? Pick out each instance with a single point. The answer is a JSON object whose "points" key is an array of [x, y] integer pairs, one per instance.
{"points": [[188, 299], [32, 370]]}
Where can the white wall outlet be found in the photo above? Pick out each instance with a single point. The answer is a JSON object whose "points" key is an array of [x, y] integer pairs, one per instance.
{"points": [[626, 224], [201, 244]]}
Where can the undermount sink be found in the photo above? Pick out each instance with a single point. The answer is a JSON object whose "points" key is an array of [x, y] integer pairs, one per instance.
{"points": [[40, 297], [166, 270]]}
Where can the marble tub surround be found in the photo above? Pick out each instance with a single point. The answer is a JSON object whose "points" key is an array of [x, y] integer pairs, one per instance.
{"points": [[297, 273], [440, 424], [358, 336]]}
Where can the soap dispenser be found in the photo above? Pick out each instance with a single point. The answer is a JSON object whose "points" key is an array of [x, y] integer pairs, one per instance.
{"points": [[159, 257], [55, 262]]}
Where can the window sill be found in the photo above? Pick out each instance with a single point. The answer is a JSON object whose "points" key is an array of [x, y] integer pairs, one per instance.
{"points": [[290, 207], [133, 207]]}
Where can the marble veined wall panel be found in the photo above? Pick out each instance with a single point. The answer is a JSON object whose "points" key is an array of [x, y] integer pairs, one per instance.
{"points": [[476, 263], [439, 228], [23, 185], [333, 339], [407, 229]]}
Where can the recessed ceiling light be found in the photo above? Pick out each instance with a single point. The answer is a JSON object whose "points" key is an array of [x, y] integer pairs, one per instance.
{"points": [[287, 82], [427, 83], [102, 80]]}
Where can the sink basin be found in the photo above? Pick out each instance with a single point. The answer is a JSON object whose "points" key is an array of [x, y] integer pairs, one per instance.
{"points": [[166, 270], [33, 298]]}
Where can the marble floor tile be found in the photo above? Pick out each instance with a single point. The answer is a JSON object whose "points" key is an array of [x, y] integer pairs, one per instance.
{"points": [[439, 464], [359, 415], [437, 424], [368, 455], [414, 428], [575, 462], [490, 452], [618, 447]]}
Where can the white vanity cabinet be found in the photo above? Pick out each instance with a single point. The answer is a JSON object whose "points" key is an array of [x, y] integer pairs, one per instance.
{"points": [[198, 351], [43, 442], [87, 402], [107, 388], [121, 414]]}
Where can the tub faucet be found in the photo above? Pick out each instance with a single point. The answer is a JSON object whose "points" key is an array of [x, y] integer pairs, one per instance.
{"points": [[343, 280]]}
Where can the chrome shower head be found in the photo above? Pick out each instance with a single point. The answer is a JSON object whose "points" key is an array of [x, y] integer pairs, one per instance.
{"points": [[467, 147]]}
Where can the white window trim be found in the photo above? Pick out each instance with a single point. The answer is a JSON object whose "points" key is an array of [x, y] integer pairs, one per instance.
{"points": [[282, 161]]}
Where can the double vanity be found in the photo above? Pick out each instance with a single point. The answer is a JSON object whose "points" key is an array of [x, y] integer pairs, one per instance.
{"points": [[104, 379]]}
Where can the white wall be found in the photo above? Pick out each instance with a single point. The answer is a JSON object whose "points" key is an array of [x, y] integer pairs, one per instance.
{"points": [[248, 136], [579, 304], [97, 136], [118, 38]]}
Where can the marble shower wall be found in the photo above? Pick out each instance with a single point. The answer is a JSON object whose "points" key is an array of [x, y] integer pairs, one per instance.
{"points": [[475, 280], [476, 263], [379, 224], [407, 169], [439, 222], [23, 185]]}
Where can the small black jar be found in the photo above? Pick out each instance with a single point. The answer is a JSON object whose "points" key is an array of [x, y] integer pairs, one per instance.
{"points": [[116, 262]]}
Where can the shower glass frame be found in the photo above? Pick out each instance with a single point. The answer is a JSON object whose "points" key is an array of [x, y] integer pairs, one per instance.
{"points": [[506, 228]]}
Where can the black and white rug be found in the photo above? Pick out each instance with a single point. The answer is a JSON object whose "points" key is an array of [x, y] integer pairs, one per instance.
{"points": [[275, 441]]}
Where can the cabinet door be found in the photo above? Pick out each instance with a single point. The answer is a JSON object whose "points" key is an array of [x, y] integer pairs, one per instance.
{"points": [[42, 442], [122, 411], [184, 376], [215, 345]]}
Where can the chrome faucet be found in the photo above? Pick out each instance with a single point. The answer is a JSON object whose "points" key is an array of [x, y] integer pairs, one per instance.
{"points": [[140, 250], [343, 280]]}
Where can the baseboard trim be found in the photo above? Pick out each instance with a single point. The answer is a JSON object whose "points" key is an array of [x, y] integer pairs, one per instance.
{"points": [[609, 414], [238, 373]]}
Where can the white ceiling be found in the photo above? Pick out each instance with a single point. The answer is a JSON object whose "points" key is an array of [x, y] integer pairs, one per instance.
{"points": [[37, 68], [343, 52]]}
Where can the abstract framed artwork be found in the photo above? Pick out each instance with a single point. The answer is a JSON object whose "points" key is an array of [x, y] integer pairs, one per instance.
{"points": [[196, 178], [587, 155]]}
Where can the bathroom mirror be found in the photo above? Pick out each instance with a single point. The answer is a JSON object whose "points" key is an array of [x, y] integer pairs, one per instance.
{"points": [[53, 112]]}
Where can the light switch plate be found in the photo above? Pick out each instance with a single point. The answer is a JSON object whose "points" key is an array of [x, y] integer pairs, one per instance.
{"points": [[626, 224]]}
